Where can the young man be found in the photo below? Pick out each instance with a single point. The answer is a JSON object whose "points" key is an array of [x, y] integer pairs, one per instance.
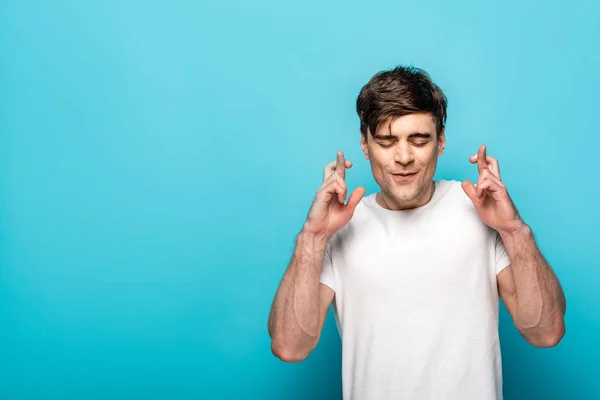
{"points": [[416, 270]]}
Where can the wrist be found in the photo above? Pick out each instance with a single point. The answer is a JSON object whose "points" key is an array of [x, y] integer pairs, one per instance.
{"points": [[312, 240], [515, 231]]}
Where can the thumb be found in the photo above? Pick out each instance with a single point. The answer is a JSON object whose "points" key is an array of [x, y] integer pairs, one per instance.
{"points": [[470, 190], [355, 197]]}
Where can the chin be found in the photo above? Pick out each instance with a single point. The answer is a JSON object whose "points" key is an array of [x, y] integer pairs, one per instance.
{"points": [[402, 196], [406, 194]]}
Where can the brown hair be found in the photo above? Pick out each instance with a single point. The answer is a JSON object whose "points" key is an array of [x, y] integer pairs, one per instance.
{"points": [[398, 92]]}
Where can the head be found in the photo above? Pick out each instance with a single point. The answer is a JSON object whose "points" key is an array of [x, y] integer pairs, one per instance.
{"points": [[402, 120]]}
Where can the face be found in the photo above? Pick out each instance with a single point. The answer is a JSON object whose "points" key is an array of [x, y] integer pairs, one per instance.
{"points": [[403, 155]]}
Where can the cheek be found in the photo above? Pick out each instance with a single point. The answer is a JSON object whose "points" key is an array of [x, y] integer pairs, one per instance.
{"points": [[429, 157], [377, 168], [383, 157]]}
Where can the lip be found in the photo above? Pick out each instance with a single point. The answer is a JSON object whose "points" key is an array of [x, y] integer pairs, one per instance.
{"points": [[404, 177]]}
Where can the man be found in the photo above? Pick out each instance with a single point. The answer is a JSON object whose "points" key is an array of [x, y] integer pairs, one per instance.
{"points": [[416, 270]]}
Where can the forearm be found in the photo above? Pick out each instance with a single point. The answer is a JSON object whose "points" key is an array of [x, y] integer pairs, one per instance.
{"points": [[540, 301], [294, 321]]}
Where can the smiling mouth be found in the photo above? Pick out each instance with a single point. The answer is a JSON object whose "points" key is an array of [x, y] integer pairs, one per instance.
{"points": [[405, 173], [404, 176]]}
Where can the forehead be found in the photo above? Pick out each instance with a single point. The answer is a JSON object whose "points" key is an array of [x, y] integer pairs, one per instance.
{"points": [[407, 125]]}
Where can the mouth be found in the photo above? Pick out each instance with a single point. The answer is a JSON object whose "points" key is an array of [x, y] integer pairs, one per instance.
{"points": [[404, 176]]}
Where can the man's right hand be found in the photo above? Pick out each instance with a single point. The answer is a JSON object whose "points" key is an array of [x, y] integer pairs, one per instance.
{"points": [[329, 213]]}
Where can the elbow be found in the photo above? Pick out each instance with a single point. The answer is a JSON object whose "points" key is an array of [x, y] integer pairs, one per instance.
{"points": [[551, 338], [286, 353], [554, 338], [546, 341]]}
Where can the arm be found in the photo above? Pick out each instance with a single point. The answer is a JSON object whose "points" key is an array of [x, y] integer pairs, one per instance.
{"points": [[301, 303], [531, 291], [528, 287]]}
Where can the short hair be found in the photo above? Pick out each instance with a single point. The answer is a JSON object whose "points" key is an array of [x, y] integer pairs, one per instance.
{"points": [[398, 92]]}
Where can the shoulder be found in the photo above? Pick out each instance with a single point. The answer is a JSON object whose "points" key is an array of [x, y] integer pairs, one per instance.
{"points": [[458, 207], [451, 186], [464, 214], [454, 193]]}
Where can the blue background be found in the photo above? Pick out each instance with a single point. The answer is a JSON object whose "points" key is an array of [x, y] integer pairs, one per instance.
{"points": [[158, 158]]}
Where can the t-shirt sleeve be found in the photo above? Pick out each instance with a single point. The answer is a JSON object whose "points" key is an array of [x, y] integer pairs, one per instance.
{"points": [[327, 271], [502, 260]]}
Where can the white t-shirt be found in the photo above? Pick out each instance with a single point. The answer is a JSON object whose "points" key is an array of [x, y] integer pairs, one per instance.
{"points": [[416, 300]]}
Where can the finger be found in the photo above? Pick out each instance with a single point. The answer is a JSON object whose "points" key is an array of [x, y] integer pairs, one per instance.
{"points": [[481, 159], [340, 167], [494, 166], [489, 174], [488, 182], [339, 188], [481, 187], [488, 186], [333, 188], [333, 177], [491, 162], [328, 170], [470, 190], [342, 192], [354, 199]]}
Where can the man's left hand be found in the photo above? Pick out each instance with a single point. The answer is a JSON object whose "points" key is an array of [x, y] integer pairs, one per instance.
{"points": [[490, 197]]}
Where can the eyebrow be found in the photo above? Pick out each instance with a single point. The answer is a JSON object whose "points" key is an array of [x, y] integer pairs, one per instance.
{"points": [[411, 136]]}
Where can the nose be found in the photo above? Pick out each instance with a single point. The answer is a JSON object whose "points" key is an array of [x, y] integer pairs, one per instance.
{"points": [[403, 154]]}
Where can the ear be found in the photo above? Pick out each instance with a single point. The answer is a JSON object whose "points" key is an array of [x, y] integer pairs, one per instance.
{"points": [[363, 146], [442, 142]]}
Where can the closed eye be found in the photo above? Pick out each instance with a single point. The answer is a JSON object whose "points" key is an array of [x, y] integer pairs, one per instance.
{"points": [[386, 144]]}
